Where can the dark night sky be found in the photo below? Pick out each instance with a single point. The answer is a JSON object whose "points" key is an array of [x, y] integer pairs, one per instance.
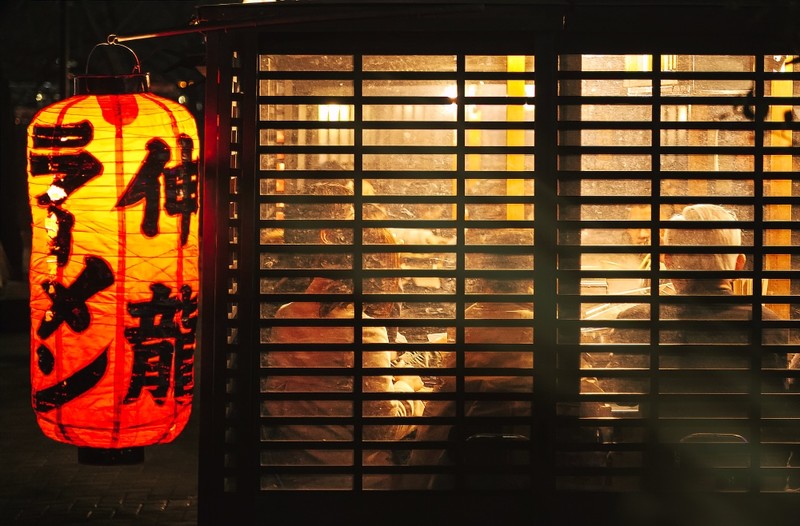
{"points": [[36, 36]]}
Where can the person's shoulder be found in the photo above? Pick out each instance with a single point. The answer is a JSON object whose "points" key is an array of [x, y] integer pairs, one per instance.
{"points": [[372, 334], [637, 312], [769, 314], [298, 309]]}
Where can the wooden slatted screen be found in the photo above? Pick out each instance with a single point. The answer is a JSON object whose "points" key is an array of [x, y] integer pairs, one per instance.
{"points": [[480, 270]]}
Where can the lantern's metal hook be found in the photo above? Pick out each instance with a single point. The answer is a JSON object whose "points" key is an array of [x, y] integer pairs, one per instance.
{"points": [[112, 40], [134, 82]]}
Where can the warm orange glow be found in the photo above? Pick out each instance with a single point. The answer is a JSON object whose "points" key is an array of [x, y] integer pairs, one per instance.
{"points": [[114, 268], [779, 187], [515, 113]]}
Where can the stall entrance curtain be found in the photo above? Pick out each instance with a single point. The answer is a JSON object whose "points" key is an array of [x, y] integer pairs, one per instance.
{"points": [[114, 268]]}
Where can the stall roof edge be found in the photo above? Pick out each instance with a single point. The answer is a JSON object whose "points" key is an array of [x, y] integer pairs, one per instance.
{"points": [[752, 20], [292, 12]]}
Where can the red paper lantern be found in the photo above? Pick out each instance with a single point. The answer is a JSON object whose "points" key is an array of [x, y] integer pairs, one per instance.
{"points": [[112, 179]]}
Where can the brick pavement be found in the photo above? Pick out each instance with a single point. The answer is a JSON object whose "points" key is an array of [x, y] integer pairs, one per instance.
{"points": [[42, 483]]}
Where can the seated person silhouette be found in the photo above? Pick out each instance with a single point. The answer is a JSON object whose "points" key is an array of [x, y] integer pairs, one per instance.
{"points": [[481, 437], [706, 347], [341, 362]]}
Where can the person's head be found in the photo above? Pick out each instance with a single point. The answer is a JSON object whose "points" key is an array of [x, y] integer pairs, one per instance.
{"points": [[323, 232], [639, 236], [499, 259], [727, 237], [343, 209]]}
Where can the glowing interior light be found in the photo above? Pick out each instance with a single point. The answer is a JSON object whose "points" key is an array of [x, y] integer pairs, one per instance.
{"points": [[334, 112], [452, 94]]}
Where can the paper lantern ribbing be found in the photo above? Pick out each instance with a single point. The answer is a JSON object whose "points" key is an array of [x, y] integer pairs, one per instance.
{"points": [[113, 190]]}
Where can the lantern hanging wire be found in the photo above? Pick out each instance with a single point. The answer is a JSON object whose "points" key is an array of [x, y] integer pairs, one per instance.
{"points": [[196, 25]]}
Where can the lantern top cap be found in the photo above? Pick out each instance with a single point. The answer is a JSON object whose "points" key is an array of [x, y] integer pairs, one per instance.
{"points": [[129, 83]]}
